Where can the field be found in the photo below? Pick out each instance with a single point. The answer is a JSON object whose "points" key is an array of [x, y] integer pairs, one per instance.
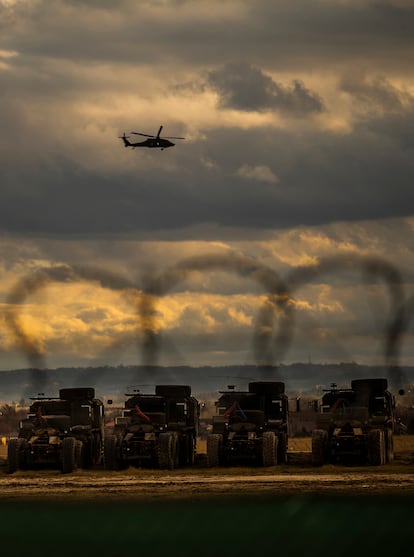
{"points": [[204, 512], [296, 476]]}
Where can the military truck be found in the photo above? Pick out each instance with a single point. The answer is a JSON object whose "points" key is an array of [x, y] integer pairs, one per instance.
{"points": [[65, 432], [250, 426], [355, 425], [158, 430]]}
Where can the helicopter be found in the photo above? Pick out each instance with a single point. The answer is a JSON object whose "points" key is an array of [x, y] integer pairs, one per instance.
{"points": [[153, 141]]}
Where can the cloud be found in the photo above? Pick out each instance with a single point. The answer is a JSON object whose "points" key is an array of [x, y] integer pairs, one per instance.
{"points": [[261, 173], [244, 87], [321, 106], [323, 177], [378, 93], [264, 33], [208, 314]]}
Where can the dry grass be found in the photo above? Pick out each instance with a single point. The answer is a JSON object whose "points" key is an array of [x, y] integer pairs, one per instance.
{"points": [[201, 446], [301, 444], [402, 443]]}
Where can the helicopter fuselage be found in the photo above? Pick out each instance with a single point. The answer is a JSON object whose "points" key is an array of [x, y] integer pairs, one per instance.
{"points": [[154, 143]]}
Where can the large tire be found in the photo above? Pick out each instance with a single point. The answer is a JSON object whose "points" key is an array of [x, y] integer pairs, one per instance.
{"points": [[282, 448], [376, 447], [269, 448], [166, 451], [92, 450], [69, 461], [187, 449], [99, 447], [15, 455], [214, 449], [79, 454], [390, 446], [191, 449], [112, 453], [175, 450], [319, 446], [88, 453], [23, 454]]}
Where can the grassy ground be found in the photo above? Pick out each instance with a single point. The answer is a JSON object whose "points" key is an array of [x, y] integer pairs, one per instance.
{"points": [[217, 527]]}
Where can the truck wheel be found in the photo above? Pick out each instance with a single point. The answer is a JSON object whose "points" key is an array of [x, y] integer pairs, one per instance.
{"points": [[15, 455], [175, 450], [376, 447], [186, 445], [79, 456], [390, 446], [95, 450], [23, 454], [99, 449], [384, 448], [282, 448], [166, 451], [112, 455], [68, 455], [269, 448], [319, 446], [214, 449], [190, 450]]}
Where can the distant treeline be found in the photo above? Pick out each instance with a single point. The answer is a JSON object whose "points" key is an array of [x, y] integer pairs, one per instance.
{"points": [[117, 380]]}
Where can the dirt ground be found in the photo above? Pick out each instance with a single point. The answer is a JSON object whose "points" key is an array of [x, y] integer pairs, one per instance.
{"points": [[296, 477]]}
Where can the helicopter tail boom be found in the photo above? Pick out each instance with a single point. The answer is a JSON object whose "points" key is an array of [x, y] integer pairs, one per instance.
{"points": [[125, 140]]}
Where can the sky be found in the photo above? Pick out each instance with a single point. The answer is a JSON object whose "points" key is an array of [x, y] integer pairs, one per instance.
{"points": [[297, 163]]}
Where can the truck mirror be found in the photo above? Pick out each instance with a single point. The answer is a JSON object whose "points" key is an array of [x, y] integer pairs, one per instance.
{"points": [[109, 401], [401, 392]]}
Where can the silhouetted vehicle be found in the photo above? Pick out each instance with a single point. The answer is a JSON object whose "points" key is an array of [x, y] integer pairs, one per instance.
{"points": [[355, 425], [153, 141], [159, 430], [65, 432], [251, 425]]}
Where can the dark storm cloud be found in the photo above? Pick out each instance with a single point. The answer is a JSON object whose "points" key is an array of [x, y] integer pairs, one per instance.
{"points": [[378, 93], [266, 33], [324, 177], [54, 175], [244, 87]]}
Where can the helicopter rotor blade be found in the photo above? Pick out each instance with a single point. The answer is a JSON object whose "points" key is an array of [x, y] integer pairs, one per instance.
{"points": [[172, 137], [143, 134], [159, 131]]}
